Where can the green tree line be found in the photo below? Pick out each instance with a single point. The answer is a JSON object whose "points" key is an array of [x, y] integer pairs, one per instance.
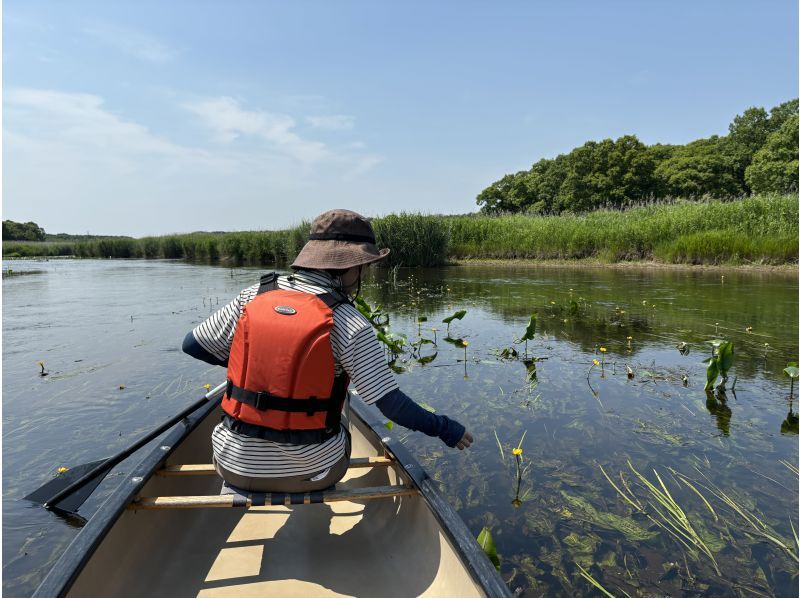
{"points": [[18, 231], [758, 155]]}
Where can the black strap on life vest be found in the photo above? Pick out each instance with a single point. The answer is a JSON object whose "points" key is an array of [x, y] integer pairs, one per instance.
{"points": [[264, 401], [269, 282]]}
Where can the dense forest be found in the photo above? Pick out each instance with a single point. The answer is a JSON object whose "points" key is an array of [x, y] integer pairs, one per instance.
{"points": [[758, 155], [19, 231]]}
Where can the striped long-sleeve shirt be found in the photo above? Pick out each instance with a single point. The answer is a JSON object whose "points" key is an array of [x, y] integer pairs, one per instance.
{"points": [[355, 351]]}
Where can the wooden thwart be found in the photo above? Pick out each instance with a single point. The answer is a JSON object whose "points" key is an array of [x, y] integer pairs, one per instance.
{"points": [[229, 500], [208, 468]]}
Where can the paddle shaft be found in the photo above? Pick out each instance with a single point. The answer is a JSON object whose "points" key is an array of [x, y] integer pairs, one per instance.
{"points": [[124, 454]]}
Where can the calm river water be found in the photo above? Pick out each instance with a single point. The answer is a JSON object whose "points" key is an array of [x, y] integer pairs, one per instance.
{"points": [[601, 451]]}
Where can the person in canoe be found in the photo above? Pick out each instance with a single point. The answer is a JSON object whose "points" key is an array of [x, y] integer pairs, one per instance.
{"points": [[292, 345]]}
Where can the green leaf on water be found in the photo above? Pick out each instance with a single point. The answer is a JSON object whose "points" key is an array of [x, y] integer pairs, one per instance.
{"points": [[711, 373], [426, 407], [422, 319], [487, 545], [456, 316], [427, 358], [529, 331], [389, 424], [725, 357], [791, 369]]}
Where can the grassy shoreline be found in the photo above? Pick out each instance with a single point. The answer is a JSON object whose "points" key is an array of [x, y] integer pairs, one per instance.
{"points": [[589, 262], [752, 231]]}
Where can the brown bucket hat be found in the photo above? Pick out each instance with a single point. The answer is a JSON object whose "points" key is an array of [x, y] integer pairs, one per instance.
{"points": [[339, 239]]}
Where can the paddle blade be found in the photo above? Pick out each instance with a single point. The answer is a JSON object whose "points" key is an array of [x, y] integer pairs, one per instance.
{"points": [[73, 501]]}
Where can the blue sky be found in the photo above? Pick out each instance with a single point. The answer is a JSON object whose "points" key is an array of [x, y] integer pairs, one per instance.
{"points": [[155, 117]]}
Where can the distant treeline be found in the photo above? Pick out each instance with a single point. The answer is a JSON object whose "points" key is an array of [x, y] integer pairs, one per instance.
{"points": [[759, 229], [759, 155], [22, 231]]}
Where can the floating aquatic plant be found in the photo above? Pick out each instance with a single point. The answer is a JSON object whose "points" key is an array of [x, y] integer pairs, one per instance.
{"points": [[508, 353], [41, 365]]}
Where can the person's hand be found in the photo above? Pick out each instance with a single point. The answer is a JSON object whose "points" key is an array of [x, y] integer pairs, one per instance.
{"points": [[465, 442]]}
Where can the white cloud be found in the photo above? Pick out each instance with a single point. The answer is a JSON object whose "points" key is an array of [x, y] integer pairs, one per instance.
{"points": [[72, 164], [134, 43], [332, 122], [79, 120], [229, 121], [361, 166]]}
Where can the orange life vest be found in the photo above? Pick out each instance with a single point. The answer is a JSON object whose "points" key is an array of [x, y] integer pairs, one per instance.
{"points": [[281, 380]]}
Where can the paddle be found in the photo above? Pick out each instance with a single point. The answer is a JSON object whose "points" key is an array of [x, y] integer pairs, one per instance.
{"points": [[68, 491]]}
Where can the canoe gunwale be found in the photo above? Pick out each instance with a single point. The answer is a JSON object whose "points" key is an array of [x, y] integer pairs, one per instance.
{"points": [[464, 543], [68, 567]]}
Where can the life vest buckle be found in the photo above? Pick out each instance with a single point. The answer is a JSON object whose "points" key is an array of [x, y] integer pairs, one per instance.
{"points": [[311, 403], [261, 401]]}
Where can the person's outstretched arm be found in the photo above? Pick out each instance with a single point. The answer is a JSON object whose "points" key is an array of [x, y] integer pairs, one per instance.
{"points": [[362, 357], [401, 409]]}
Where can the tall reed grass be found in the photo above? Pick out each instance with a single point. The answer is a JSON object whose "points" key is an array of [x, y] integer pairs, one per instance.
{"points": [[756, 229], [761, 230], [414, 239]]}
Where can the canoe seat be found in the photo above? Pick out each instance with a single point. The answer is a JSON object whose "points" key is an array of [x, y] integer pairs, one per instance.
{"points": [[259, 499], [208, 468]]}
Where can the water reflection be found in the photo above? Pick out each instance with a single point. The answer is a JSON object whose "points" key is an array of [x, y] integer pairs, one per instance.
{"points": [[717, 405], [789, 425]]}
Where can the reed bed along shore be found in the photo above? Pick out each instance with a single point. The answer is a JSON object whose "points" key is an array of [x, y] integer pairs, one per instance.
{"points": [[757, 230]]}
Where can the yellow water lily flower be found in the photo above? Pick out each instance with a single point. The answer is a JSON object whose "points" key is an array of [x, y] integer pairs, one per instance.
{"points": [[40, 363], [603, 349], [206, 386], [596, 361], [552, 303], [465, 343], [63, 469], [749, 329], [516, 451]]}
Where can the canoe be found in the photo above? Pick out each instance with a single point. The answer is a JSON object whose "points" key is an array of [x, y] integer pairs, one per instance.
{"points": [[385, 530]]}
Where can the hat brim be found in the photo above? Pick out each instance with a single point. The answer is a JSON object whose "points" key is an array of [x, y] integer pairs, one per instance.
{"points": [[337, 255]]}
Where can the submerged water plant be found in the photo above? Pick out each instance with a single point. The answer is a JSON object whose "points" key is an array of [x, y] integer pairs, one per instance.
{"points": [[662, 509]]}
